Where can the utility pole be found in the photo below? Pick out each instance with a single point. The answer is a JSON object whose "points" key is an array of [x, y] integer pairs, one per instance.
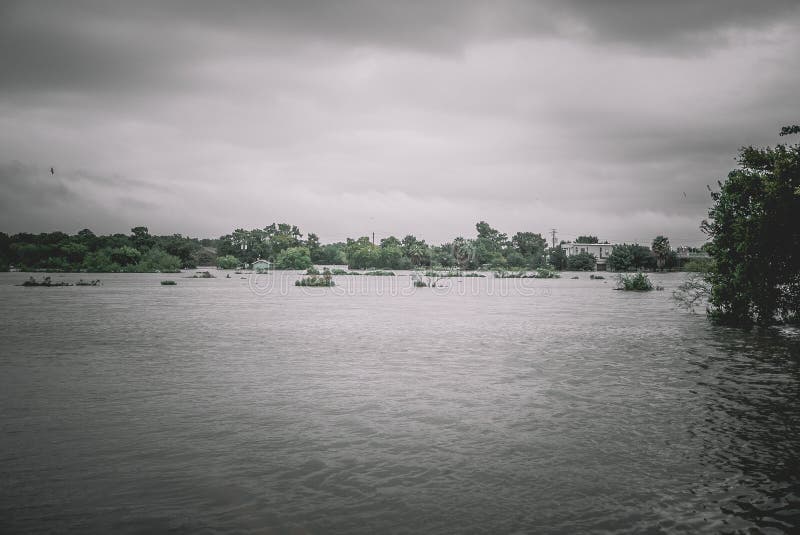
{"points": [[373, 238], [553, 232]]}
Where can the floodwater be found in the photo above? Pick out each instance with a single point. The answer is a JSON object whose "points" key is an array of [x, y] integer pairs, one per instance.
{"points": [[249, 405]]}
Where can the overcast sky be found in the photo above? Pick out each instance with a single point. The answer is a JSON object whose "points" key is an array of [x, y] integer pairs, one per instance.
{"points": [[400, 117]]}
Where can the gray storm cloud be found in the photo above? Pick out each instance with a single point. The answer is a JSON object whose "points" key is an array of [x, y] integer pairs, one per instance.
{"points": [[351, 117]]}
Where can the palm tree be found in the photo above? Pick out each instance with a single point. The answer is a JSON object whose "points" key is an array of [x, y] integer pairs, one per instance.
{"points": [[661, 250]]}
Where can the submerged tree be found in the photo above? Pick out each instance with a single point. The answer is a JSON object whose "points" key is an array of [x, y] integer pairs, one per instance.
{"points": [[755, 238]]}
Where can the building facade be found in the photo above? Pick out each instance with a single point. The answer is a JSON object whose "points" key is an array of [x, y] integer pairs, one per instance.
{"points": [[601, 251]]}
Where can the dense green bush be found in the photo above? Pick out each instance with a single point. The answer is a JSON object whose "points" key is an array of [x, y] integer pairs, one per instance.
{"points": [[755, 238], [630, 258], [698, 265], [156, 260], [581, 262], [638, 282], [315, 280], [294, 258], [227, 262], [544, 273]]}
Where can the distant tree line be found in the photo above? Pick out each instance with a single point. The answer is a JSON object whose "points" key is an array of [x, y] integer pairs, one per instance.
{"points": [[287, 248], [284, 245], [138, 251]]}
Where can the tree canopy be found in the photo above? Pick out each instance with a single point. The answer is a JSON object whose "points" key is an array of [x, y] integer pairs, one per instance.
{"points": [[586, 239], [755, 238], [581, 262]]}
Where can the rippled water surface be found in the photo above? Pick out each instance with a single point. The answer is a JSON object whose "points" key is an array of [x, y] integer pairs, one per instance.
{"points": [[498, 406]]}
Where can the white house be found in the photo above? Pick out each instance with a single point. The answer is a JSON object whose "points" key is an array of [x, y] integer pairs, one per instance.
{"points": [[601, 251]]}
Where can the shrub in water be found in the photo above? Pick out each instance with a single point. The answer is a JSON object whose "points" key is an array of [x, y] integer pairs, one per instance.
{"points": [[638, 282], [544, 273], [316, 280]]}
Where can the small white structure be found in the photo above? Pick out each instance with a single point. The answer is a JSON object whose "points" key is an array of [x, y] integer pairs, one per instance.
{"points": [[261, 265], [601, 251]]}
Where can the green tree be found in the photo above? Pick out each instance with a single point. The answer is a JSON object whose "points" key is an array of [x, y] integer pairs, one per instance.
{"points": [[74, 252], [157, 261], [294, 258], [282, 236], [631, 257], [661, 250], [392, 257], [180, 246], [205, 257], [391, 241], [581, 262], [755, 238], [464, 255], [416, 250], [5, 251], [557, 258], [362, 253], [489, 245], [141, 238], [125, 256], [227, 262], [531, 246], [312, 242], [515, 259], [332, 254], [586, 239], [100, 262]]}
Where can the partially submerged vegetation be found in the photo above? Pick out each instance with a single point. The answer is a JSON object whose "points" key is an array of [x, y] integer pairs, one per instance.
{"points": [[314, 280], [698, 265], [638, 282], [323, 279], [95, 282], [202, 275], [168, 283], [46, 281], [450, 273], [544, 273], [339, 271], [755, 238], [541, 273], [693, 292]]}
